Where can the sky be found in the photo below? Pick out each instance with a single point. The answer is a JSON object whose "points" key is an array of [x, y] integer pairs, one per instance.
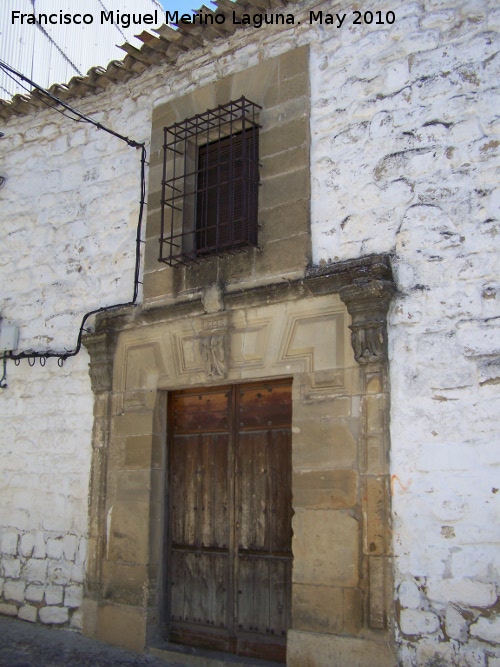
{"points": [[184, 6]]}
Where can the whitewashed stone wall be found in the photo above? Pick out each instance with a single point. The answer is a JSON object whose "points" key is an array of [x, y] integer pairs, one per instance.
{"points": [[68, 216], [44, 491], [403, 159]]}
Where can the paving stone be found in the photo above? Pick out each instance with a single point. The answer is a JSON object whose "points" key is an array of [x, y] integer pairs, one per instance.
{"points": [[26, 645]]}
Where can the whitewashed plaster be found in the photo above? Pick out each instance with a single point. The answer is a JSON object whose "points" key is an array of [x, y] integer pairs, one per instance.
{"points": [[403, 160]]}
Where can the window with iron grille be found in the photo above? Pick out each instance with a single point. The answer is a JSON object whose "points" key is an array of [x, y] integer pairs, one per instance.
{"points": [[210, 184]]}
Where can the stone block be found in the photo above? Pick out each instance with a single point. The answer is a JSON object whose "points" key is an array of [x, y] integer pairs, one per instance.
{"points": [[374, 382], [89, 610], [462, 592], [77, 573], [289, 255], [73, 596], [199, 276], [122, 626], [9, 543], [133, 485], [81, 554], [125, 583], [70, 545], [54, 595], [27, 544], [11, 567], [376, 459], [279, 139], [285, 90], [152, 253], [28, 613], [129, 532], [353, 611], [34, 593], [285, 220], [331, 409], [133, 423], [232, 269], [418, 622], [409, 595], [54, 615], [455, 624], [59, 572], [76, 620], [282, 163], [326, 609], [325, 548], [35, 570], [158, 283], [293, 62], [487, 629], [137, 452], [376, 515], [55, 548], [378, 570], [375, 412], [318, 608], [8, 609], [325, 489], [153, 230], [324, 650], [283, 189], [322, 443], [14, 590]]}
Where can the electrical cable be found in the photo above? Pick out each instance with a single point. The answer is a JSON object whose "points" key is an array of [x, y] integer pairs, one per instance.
{"points": [[66, 355], [51, 106], [62, 356], [130, 142]]}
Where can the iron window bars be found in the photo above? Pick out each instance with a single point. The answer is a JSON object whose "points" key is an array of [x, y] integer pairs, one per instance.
{"points": [[210, 183]]}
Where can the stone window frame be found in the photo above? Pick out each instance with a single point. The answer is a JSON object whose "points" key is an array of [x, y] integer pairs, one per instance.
{"points": [[280, 86], [216, 134]]}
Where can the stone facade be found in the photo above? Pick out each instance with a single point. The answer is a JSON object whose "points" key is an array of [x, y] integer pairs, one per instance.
{"points": [[390, 153], [342, 573]]}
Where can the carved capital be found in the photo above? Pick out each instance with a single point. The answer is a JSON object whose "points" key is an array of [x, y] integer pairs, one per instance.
{"points": [[368, 302], [101, 347]]}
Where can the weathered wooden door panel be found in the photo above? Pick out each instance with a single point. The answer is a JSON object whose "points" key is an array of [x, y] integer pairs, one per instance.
{"points": [[229, 557], [198, 588], [199, 491], [263, 606], [264, 503]]}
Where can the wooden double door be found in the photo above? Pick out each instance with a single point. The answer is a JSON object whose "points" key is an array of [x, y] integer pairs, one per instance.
{"points": [[229, 556]]}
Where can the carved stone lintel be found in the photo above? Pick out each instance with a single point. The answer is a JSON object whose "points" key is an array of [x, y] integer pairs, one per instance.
{"points": [[101, 347], [213, 354], [368, 302]]}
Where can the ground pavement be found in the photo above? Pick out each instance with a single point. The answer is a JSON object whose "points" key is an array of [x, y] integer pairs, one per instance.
{"points": [[24, 644]]}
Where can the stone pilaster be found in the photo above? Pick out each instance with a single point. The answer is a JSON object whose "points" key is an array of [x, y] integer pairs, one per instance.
{"points": [[100, 347], [367, 302]]}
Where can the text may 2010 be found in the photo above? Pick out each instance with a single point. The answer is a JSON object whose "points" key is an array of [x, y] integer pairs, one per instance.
{"points": [[358, 18]]}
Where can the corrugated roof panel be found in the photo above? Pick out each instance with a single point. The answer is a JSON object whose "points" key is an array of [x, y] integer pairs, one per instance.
{"points": [[16, 46], [54, 53]]}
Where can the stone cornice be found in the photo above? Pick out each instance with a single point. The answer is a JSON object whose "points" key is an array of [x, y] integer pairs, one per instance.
{"points": [[365, 285]]}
